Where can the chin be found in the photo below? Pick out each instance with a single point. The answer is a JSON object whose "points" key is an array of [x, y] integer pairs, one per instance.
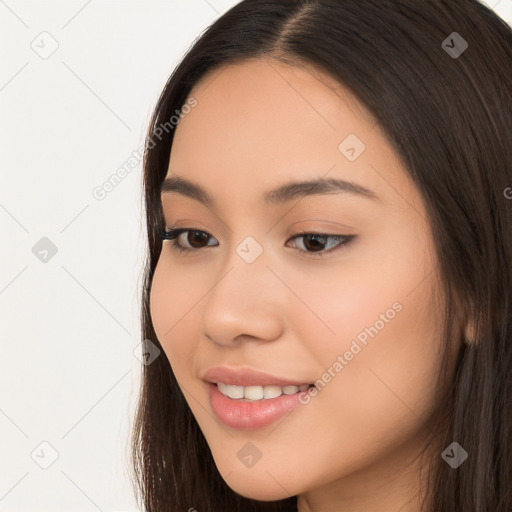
{"points": [[261, 489], [263, 482]]}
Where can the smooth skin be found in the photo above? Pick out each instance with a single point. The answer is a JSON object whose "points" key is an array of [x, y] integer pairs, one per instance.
{"points": [[257, 125]]}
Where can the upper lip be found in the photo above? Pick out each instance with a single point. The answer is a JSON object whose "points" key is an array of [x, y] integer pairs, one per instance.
{"points": [[243, 376]]}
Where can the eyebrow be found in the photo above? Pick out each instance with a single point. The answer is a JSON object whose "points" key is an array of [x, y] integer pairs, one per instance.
{"points": [[282, 194]]}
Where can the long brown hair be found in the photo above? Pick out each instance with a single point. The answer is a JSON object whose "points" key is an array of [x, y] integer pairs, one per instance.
{"points": [[447, 110]]}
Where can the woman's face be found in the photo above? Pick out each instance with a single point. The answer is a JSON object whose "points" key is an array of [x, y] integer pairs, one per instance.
{"points": [[357, 318]]}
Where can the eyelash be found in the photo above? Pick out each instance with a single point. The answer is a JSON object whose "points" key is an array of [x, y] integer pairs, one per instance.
{"points": [[173, 234]]}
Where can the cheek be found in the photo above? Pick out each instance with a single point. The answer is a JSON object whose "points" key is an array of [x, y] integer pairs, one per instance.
{"points": [[374, 296], [160, 303], [171, 300], [373, 330]]}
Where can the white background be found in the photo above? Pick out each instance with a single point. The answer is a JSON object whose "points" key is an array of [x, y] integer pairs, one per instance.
{"points": [[70, 325]]}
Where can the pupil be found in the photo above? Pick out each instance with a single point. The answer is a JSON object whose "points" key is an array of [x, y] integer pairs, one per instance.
{"points": [[198, 235], [315, 245]]}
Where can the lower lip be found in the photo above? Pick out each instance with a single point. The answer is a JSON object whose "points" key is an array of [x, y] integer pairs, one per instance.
{"points": [[250, 415]]}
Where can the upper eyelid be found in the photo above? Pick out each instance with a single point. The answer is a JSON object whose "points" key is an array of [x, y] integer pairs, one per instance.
{"points": [[299, 233]]}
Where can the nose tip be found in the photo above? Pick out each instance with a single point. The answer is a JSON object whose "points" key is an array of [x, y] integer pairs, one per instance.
{"points": [[231, 328], [244, 306]]}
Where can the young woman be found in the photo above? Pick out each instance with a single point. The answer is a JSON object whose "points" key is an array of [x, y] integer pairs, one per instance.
{"points": [[328, 186]]}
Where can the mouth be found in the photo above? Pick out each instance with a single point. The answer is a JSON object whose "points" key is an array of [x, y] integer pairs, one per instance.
{"points": [[254, 407], [262, 392], [247, 399]]}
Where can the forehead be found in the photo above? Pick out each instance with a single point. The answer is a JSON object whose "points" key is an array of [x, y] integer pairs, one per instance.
{"points": [[260, 122], [262, 98]]}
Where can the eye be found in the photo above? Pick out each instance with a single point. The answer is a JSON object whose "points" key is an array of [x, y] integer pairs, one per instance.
{"points": [[194, 237], [316, 243], [186, 240]]}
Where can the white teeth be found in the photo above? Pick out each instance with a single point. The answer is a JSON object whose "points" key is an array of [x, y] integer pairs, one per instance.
{"points": [[272, 391], [223, 388], [234, 391], [253, 392], [258, 392], [290, 390]]}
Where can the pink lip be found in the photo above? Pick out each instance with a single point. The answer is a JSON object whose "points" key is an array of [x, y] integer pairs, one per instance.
{"points": [[250, 415], [246, 377]]}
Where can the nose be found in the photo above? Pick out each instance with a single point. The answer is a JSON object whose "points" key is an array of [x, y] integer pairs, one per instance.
{"points": [[246, 303]]}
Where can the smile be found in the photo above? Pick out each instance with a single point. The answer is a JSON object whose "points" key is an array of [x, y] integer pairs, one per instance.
{"points": [[251, 393]]}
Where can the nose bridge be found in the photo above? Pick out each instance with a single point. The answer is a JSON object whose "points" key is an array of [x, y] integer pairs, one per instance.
{"points": [[249, 260], [246, 299]]}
